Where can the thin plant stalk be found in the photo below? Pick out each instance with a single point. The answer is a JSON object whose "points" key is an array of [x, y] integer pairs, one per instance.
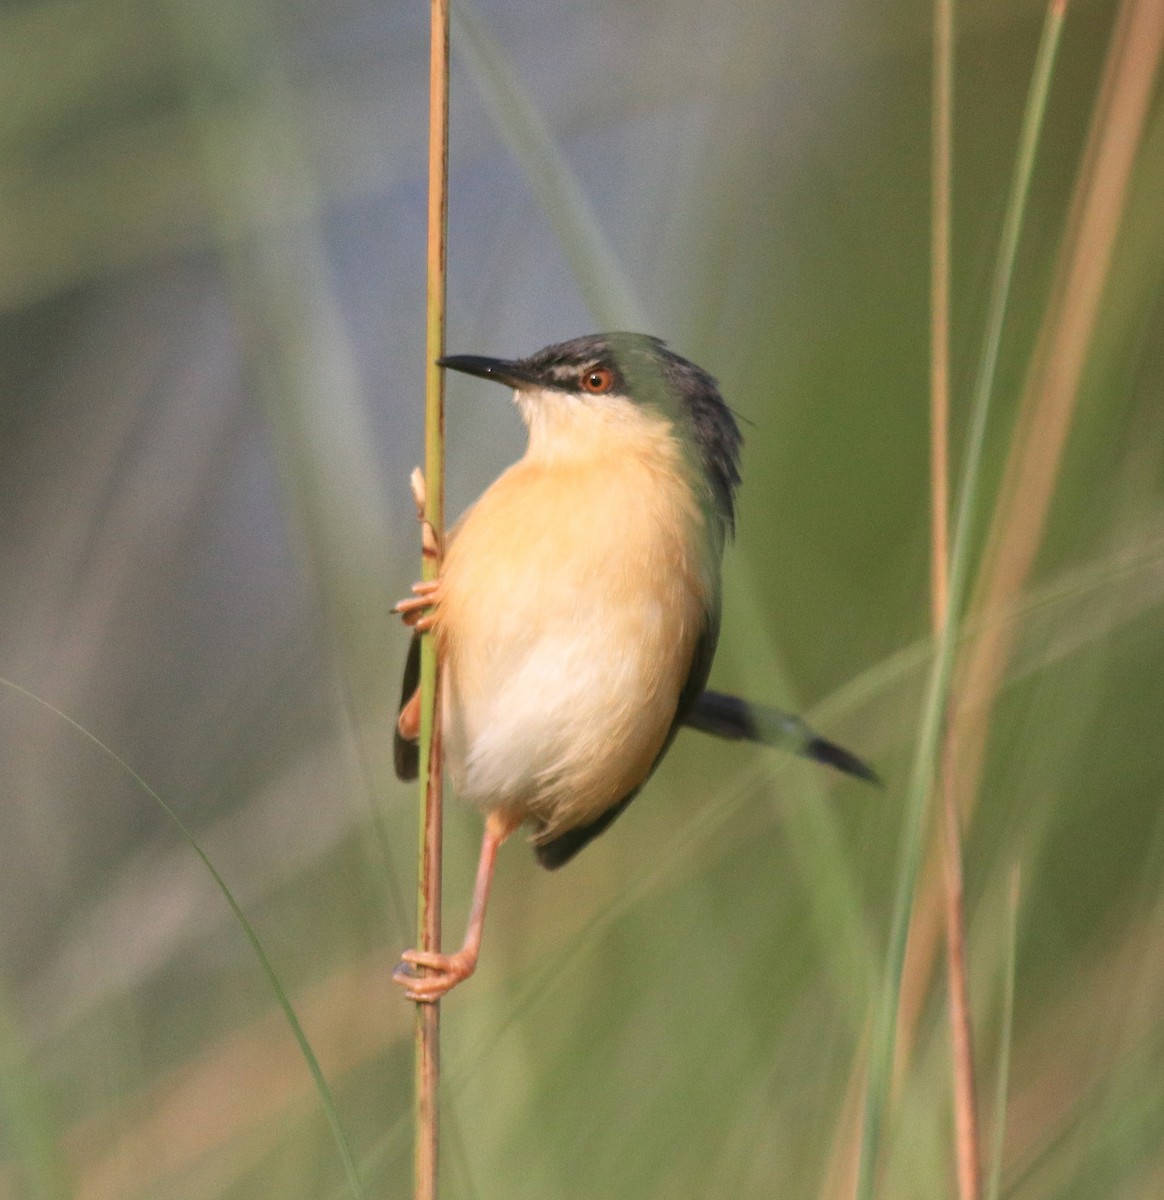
{"points": [[428, 908], [968, 1155], [994, 1184], [936, 702]]}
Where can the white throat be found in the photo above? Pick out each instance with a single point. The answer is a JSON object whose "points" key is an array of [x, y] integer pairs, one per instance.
{"points": [[564, 426]]}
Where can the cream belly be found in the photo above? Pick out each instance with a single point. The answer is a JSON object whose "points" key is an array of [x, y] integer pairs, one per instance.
{"points": [[563, 668]]}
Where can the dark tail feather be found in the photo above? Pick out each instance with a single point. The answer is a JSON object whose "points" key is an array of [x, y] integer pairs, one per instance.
{"points": [[730, 717]]}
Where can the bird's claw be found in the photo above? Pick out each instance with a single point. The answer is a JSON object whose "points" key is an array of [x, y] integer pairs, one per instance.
{"points": [[417, 610], [445, 972]]}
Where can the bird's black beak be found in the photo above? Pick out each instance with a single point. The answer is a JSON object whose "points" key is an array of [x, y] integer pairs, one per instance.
{"points": [[512, 374]]}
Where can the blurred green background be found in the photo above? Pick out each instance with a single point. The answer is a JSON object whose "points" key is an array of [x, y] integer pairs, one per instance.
{"points": [[211, 361]]}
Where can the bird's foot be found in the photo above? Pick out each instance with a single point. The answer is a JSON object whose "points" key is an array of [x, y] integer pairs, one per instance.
{"points": [[445, 972], [417, 610]]}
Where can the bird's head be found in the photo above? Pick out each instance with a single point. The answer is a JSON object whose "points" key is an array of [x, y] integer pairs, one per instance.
{"points": [[616, 381]]}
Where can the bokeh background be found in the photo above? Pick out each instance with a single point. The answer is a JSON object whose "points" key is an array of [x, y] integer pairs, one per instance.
{"points": [[211, 361]]}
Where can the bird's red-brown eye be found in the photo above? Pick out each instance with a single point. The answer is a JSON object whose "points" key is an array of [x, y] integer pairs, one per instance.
{"points": [[598, 380]]}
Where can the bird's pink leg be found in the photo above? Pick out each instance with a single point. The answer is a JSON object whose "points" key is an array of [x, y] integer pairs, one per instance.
{"points": [[447, 970]]}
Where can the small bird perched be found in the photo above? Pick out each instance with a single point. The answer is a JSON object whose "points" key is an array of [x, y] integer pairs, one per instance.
{"points": [[578, 607]]}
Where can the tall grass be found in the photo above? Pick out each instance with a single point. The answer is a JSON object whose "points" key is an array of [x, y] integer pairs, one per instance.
{"points": [[926, 770]]}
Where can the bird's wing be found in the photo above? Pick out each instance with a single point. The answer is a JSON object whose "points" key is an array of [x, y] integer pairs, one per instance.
{"points": [[405, 751]]}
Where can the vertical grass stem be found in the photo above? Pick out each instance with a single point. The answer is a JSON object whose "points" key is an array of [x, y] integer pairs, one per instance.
{"points": [[428, 910]]}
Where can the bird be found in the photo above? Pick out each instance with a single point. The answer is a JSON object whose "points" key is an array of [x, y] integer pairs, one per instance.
{"points": [[577, 609]]}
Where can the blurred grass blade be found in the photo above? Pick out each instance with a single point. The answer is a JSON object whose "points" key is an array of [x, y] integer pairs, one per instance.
{"points": [[325, 1097], [1011, 231], [937, 692], [994, 1177], [604, 285]]}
